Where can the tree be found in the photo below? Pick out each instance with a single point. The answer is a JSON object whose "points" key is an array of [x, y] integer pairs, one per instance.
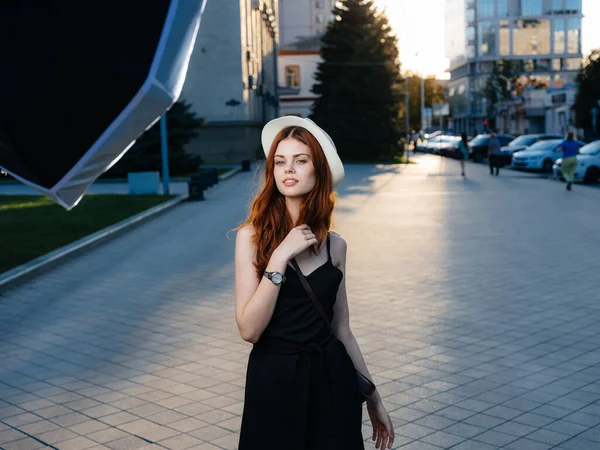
{"points": [[588, 81], [504, 82], [359, 84], [434, 93], [145, 155]]}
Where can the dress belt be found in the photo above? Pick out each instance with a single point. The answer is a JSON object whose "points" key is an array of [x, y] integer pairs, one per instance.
{"points": [[308, 355]]}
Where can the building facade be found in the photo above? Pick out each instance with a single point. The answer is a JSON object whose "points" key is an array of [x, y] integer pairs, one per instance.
{"points": [[303, 18], [301, 25], [543, 37], [232, 79], [298, 64]]}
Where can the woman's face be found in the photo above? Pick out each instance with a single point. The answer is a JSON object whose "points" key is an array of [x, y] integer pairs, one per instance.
{"points": [[294, 170]]}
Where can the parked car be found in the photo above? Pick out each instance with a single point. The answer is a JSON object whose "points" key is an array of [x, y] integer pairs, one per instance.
{"points": [[524, 141], [588, 164], [450, 147], [430, 145], [540, 156], [480, 143]]}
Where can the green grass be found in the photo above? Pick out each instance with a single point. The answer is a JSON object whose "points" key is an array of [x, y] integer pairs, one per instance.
{"points": [[31, 226]]}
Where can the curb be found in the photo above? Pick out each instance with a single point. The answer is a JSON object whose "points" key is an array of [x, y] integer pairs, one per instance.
{"points": [[42, 263]]}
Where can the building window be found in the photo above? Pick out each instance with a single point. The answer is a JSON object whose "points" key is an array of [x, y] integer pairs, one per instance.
{"points": [[319, 4], [573, 63], [557, 5], [531, 7], [529, 65], [559, 81], [573, 36], [531, 37], [487, 38], [559, 36], [573, 5], [556, 64], [504, 38], [502, 8], [320, 18], [485, 8], [470, 34], [470, 15], [292, 76], [470, 51]]}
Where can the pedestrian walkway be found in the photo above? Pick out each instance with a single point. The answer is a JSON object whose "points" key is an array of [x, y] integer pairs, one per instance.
{"points": [[474, 301]]}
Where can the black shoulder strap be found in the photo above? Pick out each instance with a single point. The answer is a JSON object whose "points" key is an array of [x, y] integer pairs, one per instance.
{"points": [[311, 294], [329, 247]]}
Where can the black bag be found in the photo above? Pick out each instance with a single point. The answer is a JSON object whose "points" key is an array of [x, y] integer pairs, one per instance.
{"points": [[365, 386]]}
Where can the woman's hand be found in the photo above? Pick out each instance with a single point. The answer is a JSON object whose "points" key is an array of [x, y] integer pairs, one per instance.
{"points": [[298, 239], [383, 430]]}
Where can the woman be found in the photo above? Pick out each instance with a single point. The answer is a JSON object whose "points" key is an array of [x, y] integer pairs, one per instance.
{"points": [[570, 148], [301, 384], [463, 146]]}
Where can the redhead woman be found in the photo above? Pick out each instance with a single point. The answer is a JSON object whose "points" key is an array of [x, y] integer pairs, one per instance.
{"points": [[302, 382]]}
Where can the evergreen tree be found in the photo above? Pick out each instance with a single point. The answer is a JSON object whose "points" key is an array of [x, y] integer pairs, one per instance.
{"points": [[145, 155], [588, 81], [359, 84]]}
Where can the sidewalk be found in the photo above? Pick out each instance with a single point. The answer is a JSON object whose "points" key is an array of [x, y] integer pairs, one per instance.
{"points": [[474, 301]]}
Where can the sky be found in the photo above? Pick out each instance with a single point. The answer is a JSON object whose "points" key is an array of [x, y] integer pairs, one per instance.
{"points": [[419, 25]]}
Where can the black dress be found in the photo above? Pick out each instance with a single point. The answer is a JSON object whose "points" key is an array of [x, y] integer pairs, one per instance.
{"points": [[301, 386]]}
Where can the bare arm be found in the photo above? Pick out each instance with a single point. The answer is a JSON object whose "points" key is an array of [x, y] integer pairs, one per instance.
{"points": [[255, 298]]}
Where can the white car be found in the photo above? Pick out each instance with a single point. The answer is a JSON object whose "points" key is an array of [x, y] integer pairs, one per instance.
{"points": [[540, 156], [588, 164]]}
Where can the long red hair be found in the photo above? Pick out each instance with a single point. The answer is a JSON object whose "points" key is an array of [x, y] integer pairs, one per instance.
{"points": [[268, 214]]}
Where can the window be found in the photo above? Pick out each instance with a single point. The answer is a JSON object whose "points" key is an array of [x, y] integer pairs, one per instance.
{"points": [[470, 34], [559, 36], [573, 63], [320, 18], [292, 76], [529, 65], [319, 4], [556, 64], [504, 38], [559, 81], [470, 51], [573, 5], [531, 37], [502, 8], [485, 8], [487, 38], [573, 36], [470, 15], [557, 5], [531, 7]]}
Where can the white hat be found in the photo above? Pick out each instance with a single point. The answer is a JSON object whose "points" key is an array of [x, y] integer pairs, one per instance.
{"points": [[272, 128]]}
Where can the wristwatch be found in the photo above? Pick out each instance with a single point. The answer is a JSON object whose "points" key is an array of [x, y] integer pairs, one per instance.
{"points": [[276, 277]]}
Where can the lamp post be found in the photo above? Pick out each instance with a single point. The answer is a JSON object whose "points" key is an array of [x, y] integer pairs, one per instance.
{"points": [[165, 153]]}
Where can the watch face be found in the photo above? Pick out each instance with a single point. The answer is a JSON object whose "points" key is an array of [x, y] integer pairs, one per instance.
{"points": [[276, 277]]}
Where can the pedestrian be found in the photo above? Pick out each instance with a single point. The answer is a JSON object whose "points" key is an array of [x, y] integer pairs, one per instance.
{"points": [[494, 154], [569, 147], [463, 147], [415, 139], [302, 382]]}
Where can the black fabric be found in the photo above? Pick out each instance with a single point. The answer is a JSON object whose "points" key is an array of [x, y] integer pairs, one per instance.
{"points": [[68, 68], [301, 386]]}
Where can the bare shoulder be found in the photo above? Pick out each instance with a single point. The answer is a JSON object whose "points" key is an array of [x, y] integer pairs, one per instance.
{"points": [[246, 233], [338, 249]]}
